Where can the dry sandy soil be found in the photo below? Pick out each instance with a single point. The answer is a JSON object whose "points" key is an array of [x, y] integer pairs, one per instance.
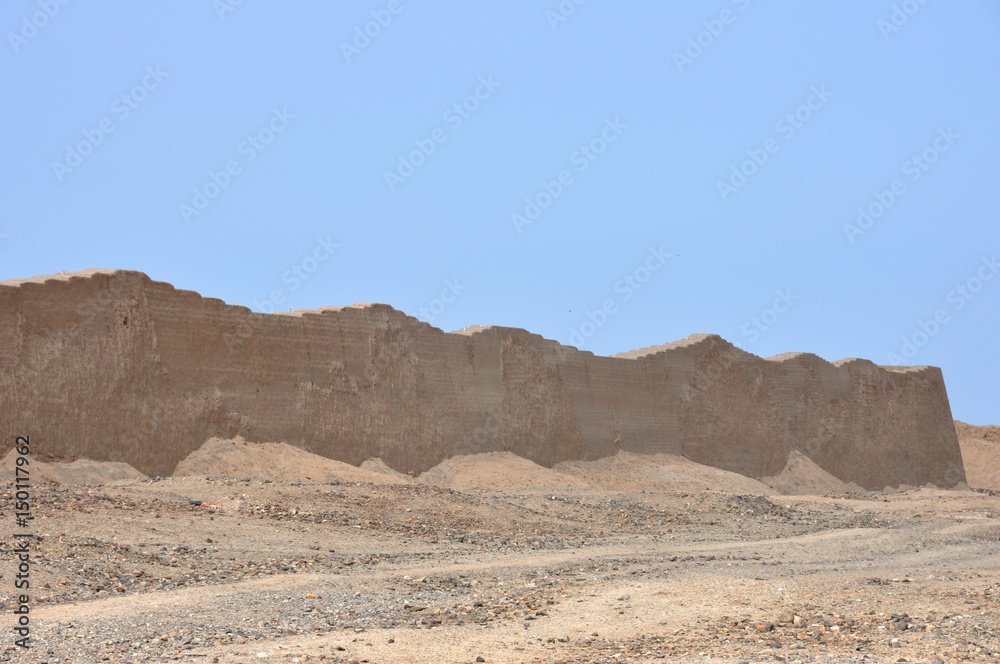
{"points": [[292, 558], [980, 454]]}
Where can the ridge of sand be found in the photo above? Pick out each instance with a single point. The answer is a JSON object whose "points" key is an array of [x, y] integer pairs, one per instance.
{"points": [[496, 470], [235, 457], [801, 476], [980, 454], [81, 471], [376, 465], [628, 471]]}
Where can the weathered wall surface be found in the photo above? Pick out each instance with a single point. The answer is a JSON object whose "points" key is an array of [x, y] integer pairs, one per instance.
{"points": [[110, 365]]}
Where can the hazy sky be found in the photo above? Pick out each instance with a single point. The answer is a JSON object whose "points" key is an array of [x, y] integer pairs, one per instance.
{"points": [[816, 177]]}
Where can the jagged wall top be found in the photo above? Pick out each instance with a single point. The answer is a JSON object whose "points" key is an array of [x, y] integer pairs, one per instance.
{"points": [[687, 342]]}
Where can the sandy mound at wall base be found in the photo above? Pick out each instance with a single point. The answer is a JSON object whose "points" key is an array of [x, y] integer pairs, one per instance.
{"points": [[378, 466], [627, 471], [234, 457], [802, 477], [980, 454], [81, 471], [495, 470]]}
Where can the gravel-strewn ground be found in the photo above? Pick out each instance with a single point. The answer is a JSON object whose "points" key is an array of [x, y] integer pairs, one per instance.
{"points": [[340, 572]]}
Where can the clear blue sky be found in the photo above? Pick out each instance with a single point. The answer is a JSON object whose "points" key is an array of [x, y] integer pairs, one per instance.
{"points": [[626, 132]]}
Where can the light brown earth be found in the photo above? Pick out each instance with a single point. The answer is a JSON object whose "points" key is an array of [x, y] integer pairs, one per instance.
{"points": [[980, 454], [627, 472], [803, 477], [275, 461], [625, 559], [496, 470], [81, 471]]}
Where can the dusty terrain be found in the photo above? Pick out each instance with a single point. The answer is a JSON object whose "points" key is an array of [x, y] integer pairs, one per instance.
{"points": [[628, 559], [980, 454]]}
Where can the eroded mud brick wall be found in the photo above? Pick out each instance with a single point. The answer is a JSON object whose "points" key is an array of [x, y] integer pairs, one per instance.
{"points": [[111, 365]]}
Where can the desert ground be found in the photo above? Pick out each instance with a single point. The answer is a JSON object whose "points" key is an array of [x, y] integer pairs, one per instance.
{"points": [[265, 553]]}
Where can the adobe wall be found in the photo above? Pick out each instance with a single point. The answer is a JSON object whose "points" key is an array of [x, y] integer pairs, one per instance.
{"points": [[111, 365]]}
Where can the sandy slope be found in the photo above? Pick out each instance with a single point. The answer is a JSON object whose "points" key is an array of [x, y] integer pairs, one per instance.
{"points": [[803, 477], [81, 471], [657, 472], [980, 454], [234, 457], [495, 470], [379, 467]]}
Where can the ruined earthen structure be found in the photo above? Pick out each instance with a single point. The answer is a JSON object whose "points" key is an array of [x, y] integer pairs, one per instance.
{"points": [[110, 365]]}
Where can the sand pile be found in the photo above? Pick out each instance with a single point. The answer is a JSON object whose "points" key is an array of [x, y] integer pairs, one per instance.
{"points": [[234, 457], [980, 454], [804, 478], [658, 472], [379, 467], [81, 471], [496, 470]]}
